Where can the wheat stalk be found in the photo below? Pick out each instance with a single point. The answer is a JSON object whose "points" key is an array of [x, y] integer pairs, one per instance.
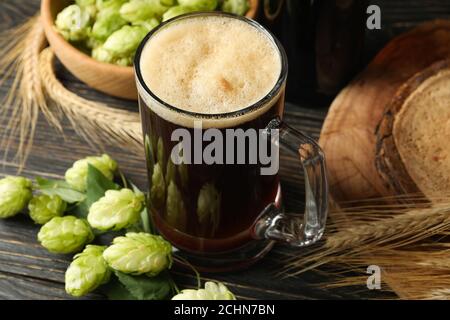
{"points": [[411, 223], [19, 54], [407, 226], [22, 57], [439, 294], [96, 122], [407, 241]]}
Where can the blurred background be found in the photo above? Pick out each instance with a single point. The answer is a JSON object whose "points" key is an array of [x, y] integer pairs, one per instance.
{"points": [[328, 42]]}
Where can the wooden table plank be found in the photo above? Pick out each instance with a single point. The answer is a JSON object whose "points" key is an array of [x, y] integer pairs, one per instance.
{"points": [[21, 255], [27, 271], [14, 287]]}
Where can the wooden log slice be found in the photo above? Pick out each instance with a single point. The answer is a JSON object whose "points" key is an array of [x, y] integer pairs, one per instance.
{"points": [[388, 159], [349, 137]]}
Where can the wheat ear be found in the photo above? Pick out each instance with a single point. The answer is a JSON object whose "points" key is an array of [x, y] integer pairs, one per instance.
{"points": [[20, 48], [96, 122], [407, 226]]}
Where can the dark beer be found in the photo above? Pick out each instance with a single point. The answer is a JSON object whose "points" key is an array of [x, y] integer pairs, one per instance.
{"points": [[234, 194], [227, 74]]}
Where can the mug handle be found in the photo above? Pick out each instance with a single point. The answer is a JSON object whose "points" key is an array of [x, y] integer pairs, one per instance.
{"points": [[275, 224]]}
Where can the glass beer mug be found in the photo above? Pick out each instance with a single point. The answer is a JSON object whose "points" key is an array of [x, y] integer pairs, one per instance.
{"points": [[222, 215]]}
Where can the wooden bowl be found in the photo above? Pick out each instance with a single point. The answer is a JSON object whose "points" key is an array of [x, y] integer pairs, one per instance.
{"points": [[109, 78]]}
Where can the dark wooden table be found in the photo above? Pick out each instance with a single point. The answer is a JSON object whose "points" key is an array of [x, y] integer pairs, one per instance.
{"points": [[27, 271]]}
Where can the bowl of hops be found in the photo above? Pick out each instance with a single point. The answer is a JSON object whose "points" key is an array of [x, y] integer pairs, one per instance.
{"points": [[96, 39]]}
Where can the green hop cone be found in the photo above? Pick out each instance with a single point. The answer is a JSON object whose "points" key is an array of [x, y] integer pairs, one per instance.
{"points": [[43, 208], [124, 42], [93, 43], [89, 6], [158, 187], [212, 291], [102, 55], [124, 62], [87, 271], [177, 11], [235, 6], [103, 4], [76, 175], [65, 234], [200, 5], [160, 154], [15, 192], [74, 23], [176, 213], [85, 3], [208, 209], [168, 3], [149, 24], [116, 210], [108, 20], [140, 10], [139, 253]]}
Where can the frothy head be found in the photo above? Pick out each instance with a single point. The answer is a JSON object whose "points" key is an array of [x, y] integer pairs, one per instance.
{"points": [[210, 64]]}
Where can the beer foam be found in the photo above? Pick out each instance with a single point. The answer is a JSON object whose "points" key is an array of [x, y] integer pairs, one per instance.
{"points": [[209, 65]]}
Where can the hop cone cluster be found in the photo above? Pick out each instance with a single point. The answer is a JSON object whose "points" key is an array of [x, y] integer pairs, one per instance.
{"points": [[139, 253], [65, 234], [116, 210], [175, 208], [15, 192], [43, 208], [87, 271], [76, 175], [235, 6], [73, 23], [212, 291]]}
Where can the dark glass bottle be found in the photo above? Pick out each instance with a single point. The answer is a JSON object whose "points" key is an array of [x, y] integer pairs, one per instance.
{"points": [[323, 40]]}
